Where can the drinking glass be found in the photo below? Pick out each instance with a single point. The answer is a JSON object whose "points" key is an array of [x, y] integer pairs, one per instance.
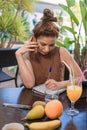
{"points": [[13, 126], [51, 95], [74, 92]]}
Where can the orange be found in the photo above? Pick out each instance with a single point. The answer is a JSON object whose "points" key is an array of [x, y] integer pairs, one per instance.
{"points": [[53, 109]]}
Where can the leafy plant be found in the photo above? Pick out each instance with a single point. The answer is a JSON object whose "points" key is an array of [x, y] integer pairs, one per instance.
{"points": [[80, 54], [13, 26]]}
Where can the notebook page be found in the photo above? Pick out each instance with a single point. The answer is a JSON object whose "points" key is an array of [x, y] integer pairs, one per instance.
{"points": [[43, 89]]}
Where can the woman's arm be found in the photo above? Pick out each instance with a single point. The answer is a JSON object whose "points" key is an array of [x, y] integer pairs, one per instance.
{"points": [[25, 67], [25, 70], [67, 59], [69, 62], [53, 85]]}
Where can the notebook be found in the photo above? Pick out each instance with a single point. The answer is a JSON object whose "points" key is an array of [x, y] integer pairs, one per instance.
{"points": [[42, 89]]}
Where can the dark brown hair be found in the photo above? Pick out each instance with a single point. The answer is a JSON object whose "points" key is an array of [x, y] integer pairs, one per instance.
{"points": [[46, 26]]}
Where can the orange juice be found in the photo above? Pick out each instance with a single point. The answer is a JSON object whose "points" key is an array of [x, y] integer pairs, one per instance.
{"points": [[74, 92]]}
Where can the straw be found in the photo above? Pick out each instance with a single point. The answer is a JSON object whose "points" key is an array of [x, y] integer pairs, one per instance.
{"points": [[83, 73], [69, 68], [72, 74]]}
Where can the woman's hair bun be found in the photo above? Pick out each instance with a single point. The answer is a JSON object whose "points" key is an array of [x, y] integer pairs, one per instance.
{"points": [[48, 16]]}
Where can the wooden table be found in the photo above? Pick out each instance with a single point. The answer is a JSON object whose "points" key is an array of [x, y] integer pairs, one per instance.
{"points": [[26, 96]]}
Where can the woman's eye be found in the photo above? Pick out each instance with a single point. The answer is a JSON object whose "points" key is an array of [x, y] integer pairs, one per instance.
{"points": [[43, 44], [51, 45]]}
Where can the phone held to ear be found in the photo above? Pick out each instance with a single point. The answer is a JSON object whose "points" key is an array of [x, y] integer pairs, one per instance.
{"points": [[34, 40]]}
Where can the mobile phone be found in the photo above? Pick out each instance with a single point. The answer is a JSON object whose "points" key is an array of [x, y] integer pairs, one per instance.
{"points": [[34, 40]]}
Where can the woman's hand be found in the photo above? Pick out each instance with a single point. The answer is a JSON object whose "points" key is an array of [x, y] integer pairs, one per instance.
{"points": [[27, 47], [51, 84]]}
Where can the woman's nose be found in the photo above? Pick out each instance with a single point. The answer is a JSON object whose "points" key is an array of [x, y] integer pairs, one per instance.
{"points": [[47, 48]]}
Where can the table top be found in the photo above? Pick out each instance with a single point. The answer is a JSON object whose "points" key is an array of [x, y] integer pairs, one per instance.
{"points": [[26, 96]]}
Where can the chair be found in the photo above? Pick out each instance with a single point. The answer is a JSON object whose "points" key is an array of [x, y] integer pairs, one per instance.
{"points": [[66, 73], [8, 59]]}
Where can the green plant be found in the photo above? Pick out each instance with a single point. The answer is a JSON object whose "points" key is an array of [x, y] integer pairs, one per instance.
{"points": [[13, 26], [80, 54]]}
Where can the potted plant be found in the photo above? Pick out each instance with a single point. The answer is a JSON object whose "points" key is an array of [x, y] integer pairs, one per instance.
{"points": [[80, 53], [13, 26]]}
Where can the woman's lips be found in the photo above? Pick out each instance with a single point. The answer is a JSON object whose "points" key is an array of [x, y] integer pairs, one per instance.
{"points": [[44, 53]]}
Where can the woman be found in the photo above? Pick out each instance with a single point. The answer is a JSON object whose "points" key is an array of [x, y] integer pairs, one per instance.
{"points": [[40, 55]]}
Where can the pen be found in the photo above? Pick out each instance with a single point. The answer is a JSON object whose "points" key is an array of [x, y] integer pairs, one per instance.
{"points": [[20, 106], [50, 70]]}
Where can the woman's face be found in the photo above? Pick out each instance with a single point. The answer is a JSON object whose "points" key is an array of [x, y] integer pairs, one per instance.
{"points": [[46, 44]]}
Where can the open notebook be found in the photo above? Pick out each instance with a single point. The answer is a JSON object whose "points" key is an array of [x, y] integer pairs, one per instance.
{"points": [[41, 89]]}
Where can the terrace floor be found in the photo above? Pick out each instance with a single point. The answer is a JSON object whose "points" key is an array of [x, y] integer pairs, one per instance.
{"points": [[11, 83]]}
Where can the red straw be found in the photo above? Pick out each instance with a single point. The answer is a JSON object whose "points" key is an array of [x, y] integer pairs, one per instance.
{"points": [[83, 73]]}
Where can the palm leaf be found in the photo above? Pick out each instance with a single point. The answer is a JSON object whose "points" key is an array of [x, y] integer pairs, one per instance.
{"points": [[19, 29], [68, 42], [25, 4], [7, 4], [11, 21], [84, 15], [70, 3], [59, 43], [5, 21], [69, 29], [11, 4], [69, 11]]}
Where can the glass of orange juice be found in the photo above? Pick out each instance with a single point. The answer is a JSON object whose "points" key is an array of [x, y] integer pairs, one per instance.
{"points": [[74, 92]]}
